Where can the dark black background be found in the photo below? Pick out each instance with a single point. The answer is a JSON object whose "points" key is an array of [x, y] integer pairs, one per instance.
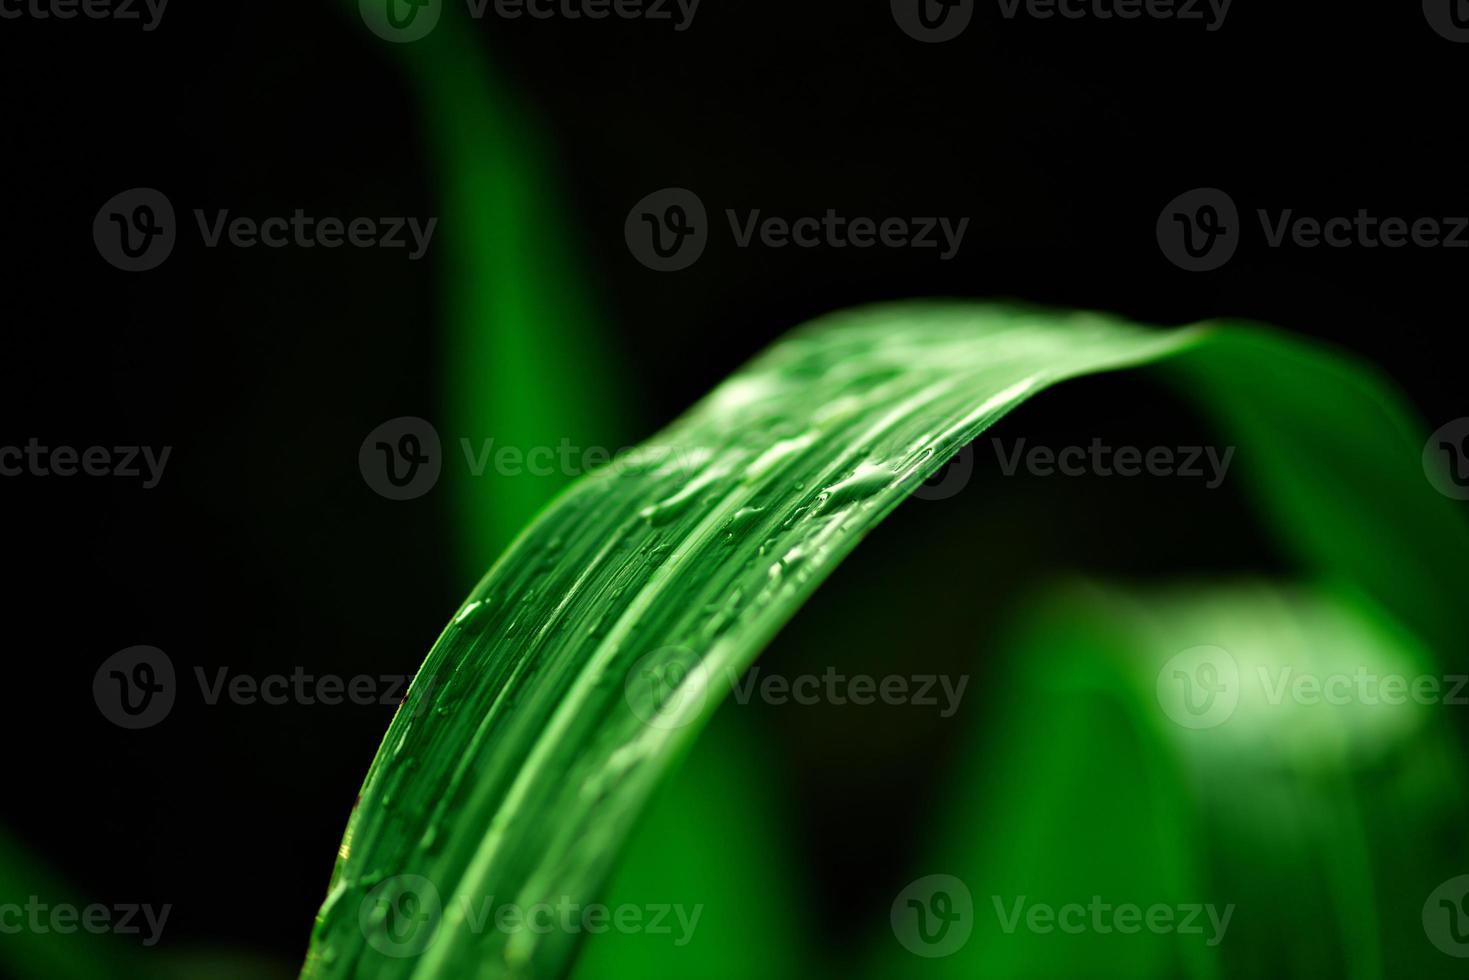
{"points": [[263, 549]]}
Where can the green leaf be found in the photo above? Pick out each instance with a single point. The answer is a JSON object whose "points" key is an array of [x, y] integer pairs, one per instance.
{"points": [[513, 299], [588, 657], [713, 844], [27, 952], [1315, 823]]}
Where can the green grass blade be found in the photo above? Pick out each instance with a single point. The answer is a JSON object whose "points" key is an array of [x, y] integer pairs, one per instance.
{"points": [[1335, 461], [1324, 825], [514, 302], [595, 648], [26, 952], [714, 841]]}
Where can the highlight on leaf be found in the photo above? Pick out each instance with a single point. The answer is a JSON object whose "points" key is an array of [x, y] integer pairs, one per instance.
{"points": [[589, 657]]}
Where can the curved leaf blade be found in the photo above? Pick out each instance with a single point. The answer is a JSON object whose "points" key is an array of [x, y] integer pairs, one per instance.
{"points": [[591, 653]]}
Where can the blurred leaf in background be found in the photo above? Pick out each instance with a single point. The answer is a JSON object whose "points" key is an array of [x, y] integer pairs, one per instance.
{"points": [[529, 365], [1296, 835], [716, 839]]}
